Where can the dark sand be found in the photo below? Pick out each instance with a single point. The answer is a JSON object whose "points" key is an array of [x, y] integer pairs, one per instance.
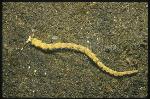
{"points": [[116, 32]]}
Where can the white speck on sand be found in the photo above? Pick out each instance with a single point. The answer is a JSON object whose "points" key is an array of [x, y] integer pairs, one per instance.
{"points": [[88, 41], [33, 30], [97, 39], [45, 73], [35, 71], [54, 37]]}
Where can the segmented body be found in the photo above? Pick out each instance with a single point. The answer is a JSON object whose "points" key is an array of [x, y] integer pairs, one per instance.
{"points": [[86, 51]]}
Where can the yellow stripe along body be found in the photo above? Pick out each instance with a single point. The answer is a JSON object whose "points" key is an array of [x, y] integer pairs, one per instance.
{"points": [[89, 53]]}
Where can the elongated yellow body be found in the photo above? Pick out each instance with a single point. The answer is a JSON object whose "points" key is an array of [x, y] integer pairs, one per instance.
{"points": [[89, 53]]}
